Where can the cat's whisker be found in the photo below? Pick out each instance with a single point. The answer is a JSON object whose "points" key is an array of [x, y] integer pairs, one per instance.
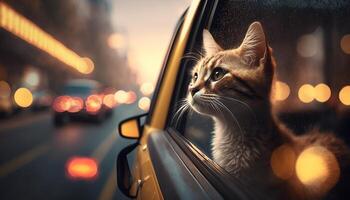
{"points": [[232, 115], [224, 107], [231, 98], [181, 113], [210, 101], [183, 106], [238, 101], [196, 54], [193, 56]]}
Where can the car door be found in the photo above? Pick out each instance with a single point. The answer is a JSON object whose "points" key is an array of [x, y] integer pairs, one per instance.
{"points": [[158, 171], [174, 156], [147, 177], [189, 134]]}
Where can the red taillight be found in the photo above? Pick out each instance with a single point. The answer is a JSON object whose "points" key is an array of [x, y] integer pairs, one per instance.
{"points": [[82, 168], [61, 103], [76, 104], [109, 101], [93, 103], [67, 103]]}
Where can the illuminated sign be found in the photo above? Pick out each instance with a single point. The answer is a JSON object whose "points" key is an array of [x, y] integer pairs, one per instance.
{"points": [[23, 28]]}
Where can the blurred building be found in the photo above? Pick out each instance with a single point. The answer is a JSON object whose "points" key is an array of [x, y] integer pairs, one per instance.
{"points": [[83, 28]]}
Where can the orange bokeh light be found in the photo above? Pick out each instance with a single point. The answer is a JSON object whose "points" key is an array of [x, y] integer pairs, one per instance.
{"points": [[23, 97], [317, 168], [282, 161], [25, 29], [281, 91], [144, 103], [88, 67], [109, 101], [131, 97], [76, 104], [67, 103], [121, 96], [61, 103], [82, 168], [322, 92], [306, 93], [147, 89], [93, 103], [116, 41], [344, 95]]}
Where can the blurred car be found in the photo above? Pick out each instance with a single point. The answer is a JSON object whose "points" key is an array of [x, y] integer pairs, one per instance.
{"points": [[42, 99], [80, 99]]}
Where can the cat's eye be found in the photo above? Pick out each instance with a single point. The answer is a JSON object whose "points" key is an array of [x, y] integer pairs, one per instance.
{"points": [[217, 74], [195, 76]]}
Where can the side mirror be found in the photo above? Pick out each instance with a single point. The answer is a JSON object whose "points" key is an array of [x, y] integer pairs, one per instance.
{"points": [[132, 127], [128, 128]]}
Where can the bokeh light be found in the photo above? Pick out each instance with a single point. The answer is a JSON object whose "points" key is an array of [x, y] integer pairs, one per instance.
{"points": [[283, 161], [93, 103], [116, 41], [306, 93], [5, 90], [32, 78], [322, 92], [82, 168], [147, 89], [344, 95], [121, 96], [23, 97], [317, 168], [76, 104], [131, 97], [281, 91], [109, 101], [88, 67], [345, 43], [25, 29], [62, 103], [144, 103], [307, 46]]}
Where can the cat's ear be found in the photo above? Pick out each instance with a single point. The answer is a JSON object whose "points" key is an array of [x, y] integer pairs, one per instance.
{"points": [[209, 44], [253, 47]]}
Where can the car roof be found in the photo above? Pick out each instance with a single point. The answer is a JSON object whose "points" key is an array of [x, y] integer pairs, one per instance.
{"points": [[83, 82]]}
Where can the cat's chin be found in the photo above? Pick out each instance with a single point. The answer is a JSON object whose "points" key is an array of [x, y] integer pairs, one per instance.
{"points": [[201, 109]]}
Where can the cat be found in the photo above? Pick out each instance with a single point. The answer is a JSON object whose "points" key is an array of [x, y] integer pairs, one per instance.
{"points": [[233, 87]]}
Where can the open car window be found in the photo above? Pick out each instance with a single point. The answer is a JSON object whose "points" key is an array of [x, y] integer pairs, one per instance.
{"points": [[310, 43]]}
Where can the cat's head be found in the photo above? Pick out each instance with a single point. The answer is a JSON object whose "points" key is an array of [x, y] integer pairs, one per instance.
{"points": [[241, 74]]}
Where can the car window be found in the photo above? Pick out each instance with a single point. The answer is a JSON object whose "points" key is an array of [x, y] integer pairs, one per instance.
{"points": [[310, 43], [77, 90]]}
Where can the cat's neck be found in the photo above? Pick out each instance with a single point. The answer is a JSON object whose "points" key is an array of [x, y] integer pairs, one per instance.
{"points": [[249, 138]]}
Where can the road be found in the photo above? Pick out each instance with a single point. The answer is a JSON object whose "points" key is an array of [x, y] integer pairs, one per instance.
{"points": [[34, 156]]}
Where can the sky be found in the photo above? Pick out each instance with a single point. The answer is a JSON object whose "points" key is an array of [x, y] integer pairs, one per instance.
{"points": [[148, 26]]}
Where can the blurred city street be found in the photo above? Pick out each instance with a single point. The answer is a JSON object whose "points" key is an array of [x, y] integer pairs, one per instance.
{"points": [[70, 71], [34, 157]]}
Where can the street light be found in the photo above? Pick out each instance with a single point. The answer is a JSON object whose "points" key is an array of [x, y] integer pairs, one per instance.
{"points": [[23, 28], [116, 41]]}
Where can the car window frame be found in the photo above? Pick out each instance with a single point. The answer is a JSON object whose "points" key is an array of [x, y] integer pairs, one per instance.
{"points": [[165, 63], [216, 175], [203, 19]]}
